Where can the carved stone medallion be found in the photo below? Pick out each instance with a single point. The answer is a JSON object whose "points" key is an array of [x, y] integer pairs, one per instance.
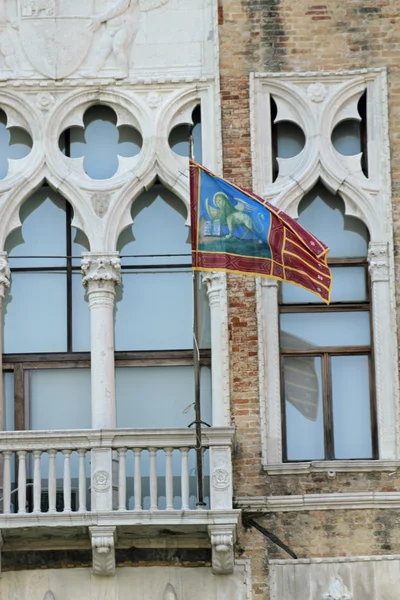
{"points": [[101, 481], [220, 479]]}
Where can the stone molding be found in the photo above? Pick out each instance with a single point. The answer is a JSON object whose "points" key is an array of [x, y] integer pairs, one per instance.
{"points": [[103, 549], [115, 438], [5, 274], [222, 540], [367, 199], [331, 467], [322, 560], [311, 502]]}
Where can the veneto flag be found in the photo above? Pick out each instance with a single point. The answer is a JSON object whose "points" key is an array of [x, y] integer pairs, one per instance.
{"points": [[235, 231]]}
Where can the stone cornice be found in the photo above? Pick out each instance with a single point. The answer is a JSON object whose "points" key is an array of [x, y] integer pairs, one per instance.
{"points": [[319, 560], [310, 502], [332, 467]]}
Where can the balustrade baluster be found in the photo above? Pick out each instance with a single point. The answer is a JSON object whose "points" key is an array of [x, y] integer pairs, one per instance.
{"points": [[52, 483], [138, 479], [169, 493], [67, 480], [22, 481], [82, 480], [37, 481], [122, 479], [7, 482], [185, 478], [153, 479]]}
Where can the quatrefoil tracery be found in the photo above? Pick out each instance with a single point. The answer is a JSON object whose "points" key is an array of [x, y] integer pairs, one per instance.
{"points": [[101, 142]]}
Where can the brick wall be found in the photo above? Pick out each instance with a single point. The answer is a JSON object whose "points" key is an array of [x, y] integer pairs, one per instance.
{"points": [[296, 35]]}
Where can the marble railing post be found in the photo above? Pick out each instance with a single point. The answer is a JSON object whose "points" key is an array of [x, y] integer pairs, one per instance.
{"points": [[4, 284], [217, 296], [101, 273]]}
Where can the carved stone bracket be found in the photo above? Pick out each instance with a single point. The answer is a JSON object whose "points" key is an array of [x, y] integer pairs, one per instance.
{"points": [[338, 591], [222, 541], [103, 550], [378, 259], [4, 273]]}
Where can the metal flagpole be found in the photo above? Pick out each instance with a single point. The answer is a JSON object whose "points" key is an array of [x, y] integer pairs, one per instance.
{"points": [[196, 362]]}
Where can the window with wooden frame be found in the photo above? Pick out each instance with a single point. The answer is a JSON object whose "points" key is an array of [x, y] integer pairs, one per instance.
{"points": [[328, 406], [46, 320]]}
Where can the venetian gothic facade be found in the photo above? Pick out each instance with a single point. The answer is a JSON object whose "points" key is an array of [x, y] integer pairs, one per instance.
{"points": [[299, 401]]}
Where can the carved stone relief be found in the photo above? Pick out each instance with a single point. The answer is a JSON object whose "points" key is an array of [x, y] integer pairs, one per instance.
{"points": [[220, 479], [88, 38], [49, 595]]}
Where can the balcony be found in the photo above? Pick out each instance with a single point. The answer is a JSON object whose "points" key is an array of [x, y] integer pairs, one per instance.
{"points": [[110, 485]]}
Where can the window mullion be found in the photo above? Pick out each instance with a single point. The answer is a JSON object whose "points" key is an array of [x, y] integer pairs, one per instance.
{"points": [[328, 409]]}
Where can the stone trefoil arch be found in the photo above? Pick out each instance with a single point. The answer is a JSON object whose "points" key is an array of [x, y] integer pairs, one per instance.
{"points": [[318, 102]]}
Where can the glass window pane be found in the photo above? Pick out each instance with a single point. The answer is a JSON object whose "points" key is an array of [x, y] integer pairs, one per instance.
{"points": [[59, 399], [348, 285], [80, 244], [313, 330], [154, 311], [160, 396], [351, 407], [158, 229], [346, 138], [290, 139], [8, 388], [36, 321], [303, 408], [323, 214], [43, 231], [80, 316]]}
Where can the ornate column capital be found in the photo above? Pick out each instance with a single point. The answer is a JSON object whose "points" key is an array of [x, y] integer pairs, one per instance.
{"points": [[378, 261], [4, 273], [215, 283], [101, 272]]}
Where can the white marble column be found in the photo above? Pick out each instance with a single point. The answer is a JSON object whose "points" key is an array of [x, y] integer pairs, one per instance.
{"points": [[218, 299], [101, 273], [385, 352], [4, 284]]}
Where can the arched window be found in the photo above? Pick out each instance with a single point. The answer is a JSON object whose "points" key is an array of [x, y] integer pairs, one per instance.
{"points": [[46, 320], [153, 325], [328, 409]]}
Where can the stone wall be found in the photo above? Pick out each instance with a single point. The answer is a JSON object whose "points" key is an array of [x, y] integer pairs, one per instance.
{"points": [[287, 36]]}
